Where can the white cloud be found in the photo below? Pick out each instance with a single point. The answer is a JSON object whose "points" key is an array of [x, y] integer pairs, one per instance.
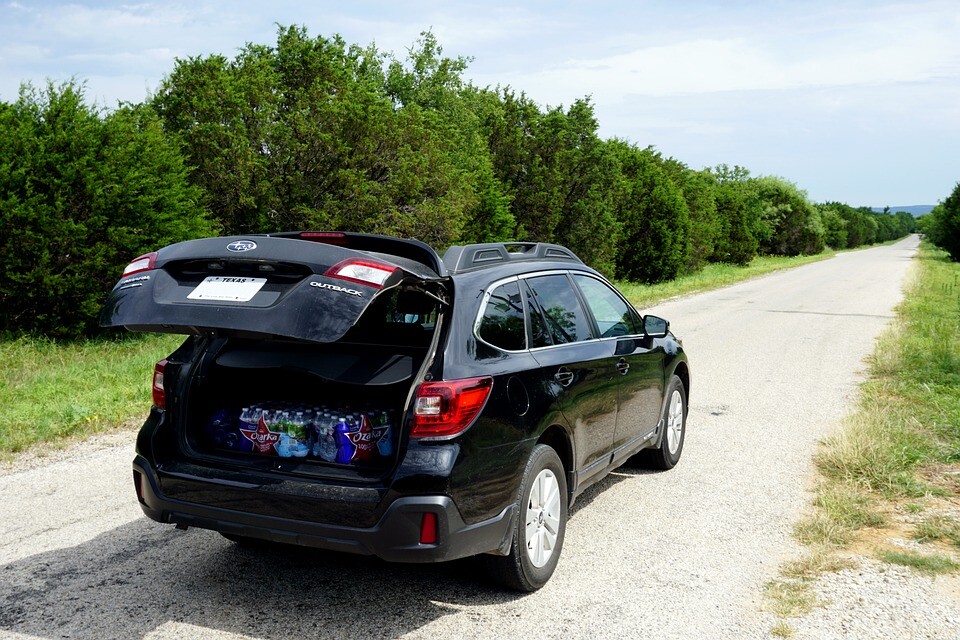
{"points": [[898, 44], [847, 98]]}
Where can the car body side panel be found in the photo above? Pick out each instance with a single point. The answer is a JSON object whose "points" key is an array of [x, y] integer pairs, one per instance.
{"points": [[641, 388], [493, 450], [588, 401]]}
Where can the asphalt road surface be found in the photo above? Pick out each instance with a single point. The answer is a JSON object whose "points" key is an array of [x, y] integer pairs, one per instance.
{"points": [[680, 554]]}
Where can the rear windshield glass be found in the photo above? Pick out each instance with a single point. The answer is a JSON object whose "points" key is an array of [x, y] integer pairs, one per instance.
{"points": [[400, 316]]}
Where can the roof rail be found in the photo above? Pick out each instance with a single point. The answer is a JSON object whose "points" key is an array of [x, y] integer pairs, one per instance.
{"points": [[475, 256]]}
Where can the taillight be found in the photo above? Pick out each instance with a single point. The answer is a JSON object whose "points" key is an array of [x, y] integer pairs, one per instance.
{"points": [[448, 407], [143, 263], [159, 395], [368, 272]]}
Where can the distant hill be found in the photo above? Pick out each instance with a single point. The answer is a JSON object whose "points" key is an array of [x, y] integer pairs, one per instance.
{"points": [[916, 210]]}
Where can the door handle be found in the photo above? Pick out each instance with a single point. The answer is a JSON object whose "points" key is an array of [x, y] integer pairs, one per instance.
{"points": [[623, 366], [564, 377]]}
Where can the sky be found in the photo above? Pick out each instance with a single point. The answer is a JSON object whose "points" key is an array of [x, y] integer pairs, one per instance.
{"points": [[854, 101]]}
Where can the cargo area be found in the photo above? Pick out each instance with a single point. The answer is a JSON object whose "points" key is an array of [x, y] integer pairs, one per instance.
{"points": [[337, 407]]}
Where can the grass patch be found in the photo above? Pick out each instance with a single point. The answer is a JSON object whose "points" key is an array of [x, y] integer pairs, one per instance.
{"points": [[848, 506], [820, 529], [51, 390], [782, 629], [938, 527], [930, 564], [791, 598], [841, 511], [820, 560], [713, 276]]}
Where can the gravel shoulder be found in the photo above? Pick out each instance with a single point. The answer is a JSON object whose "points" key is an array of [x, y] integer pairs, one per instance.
{"points": [[42, 455], [776, 362], [877, 600]]}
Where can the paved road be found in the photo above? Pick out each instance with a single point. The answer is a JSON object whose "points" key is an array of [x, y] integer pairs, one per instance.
{"points": [[682, 554]]}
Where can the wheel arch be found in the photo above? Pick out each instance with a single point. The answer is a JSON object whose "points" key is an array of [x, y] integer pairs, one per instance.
{"points": [[682, 371], [560, 441]]}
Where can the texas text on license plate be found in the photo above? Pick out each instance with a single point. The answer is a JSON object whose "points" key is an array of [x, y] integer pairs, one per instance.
{"points": [[227, 289]]}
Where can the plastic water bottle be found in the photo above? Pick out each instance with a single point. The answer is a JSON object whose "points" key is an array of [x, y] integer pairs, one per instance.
{"points": [[297, 430], [328, 443], [385, 435], [345, 448]]}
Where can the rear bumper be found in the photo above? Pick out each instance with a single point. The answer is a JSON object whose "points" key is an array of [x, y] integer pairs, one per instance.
{"points": [[395, 537]]}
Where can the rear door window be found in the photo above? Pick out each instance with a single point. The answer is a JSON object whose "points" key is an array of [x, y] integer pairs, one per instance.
{"points": [[502, 322], [539, 335], [613, 315], [565, 318]]}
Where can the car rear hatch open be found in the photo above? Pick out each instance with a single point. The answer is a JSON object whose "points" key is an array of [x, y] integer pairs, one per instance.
{"points": [[300, 332], [309, 286]]}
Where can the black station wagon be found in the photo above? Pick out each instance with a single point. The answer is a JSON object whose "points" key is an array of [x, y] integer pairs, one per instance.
{"points": [[358, 393]]}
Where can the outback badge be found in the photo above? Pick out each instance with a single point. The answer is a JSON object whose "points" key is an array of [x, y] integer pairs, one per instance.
{"points": [[333, 287], [241, 245]]}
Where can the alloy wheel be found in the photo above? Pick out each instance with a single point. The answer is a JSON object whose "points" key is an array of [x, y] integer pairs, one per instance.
{"points": [[543, 518], [675, 422]]}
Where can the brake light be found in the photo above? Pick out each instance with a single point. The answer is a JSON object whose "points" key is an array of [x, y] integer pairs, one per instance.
{"points": [[159, 395], [428, 528], [142, 263], [328, 237], [368, 272], [448, 407]]}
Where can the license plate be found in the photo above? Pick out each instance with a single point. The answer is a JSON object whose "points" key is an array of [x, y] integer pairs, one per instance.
{"points": [[227, 289]]}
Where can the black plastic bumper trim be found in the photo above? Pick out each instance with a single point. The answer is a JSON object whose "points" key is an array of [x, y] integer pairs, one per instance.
{"points": [[396, 537]]}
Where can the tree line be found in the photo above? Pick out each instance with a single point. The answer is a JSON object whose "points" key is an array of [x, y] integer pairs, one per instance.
{"points": [[315, 133], [942, 225]]}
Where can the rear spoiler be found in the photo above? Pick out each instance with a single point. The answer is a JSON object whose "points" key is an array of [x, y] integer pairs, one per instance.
{"points": [[388, 246]]}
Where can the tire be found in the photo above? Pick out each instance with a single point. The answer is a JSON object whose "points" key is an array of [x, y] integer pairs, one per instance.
{"points": [[538, 534], [667, 454]]}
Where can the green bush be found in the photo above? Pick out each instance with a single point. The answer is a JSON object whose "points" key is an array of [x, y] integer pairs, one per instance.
{"points": [[835, 227], [80, 195], [795, 224], [738, 216], [316, 133], [653, 215], [943, 228]]}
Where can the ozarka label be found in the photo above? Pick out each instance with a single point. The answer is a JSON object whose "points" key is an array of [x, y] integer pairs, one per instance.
{"points": [[264, 441]]}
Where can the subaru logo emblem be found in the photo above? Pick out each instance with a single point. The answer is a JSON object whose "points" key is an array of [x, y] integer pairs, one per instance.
{"points": [[241, 245]]}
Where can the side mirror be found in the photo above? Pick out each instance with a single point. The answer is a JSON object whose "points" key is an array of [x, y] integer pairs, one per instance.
{"points": [[655, 327]]}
